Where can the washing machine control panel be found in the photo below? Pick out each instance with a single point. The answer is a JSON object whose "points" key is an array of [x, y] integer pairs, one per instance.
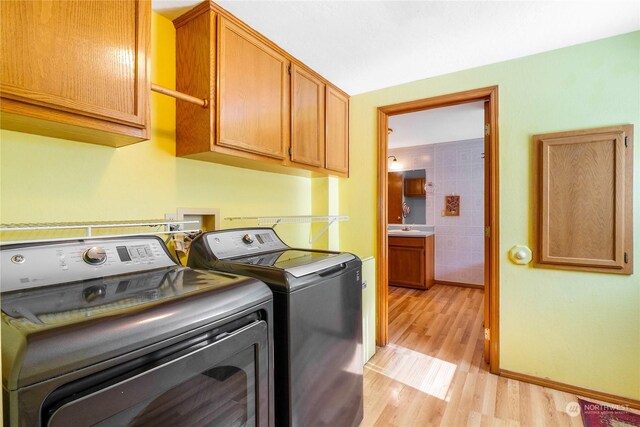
{"points": [[241, 242], [31, 266]]}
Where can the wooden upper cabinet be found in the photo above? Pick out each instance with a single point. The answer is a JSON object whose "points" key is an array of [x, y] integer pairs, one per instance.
{"points": [[583, 200], [253, 97], [76, 69], [266, 110], [414, 187], [337, 139], [307, 117]]}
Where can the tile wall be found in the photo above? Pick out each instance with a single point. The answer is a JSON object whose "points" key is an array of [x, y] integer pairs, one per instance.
{"points": [[454, 168]]}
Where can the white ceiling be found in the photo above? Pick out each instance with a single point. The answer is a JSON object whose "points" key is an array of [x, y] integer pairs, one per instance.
{"points": [[367, 45], [456, 123]]}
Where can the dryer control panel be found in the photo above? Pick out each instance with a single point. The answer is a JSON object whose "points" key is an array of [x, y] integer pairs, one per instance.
{"points": [[233, 243], [33, 265]]}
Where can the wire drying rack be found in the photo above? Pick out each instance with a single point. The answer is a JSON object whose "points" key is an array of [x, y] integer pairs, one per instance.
{"points": [[45, 232], [273, 221]]}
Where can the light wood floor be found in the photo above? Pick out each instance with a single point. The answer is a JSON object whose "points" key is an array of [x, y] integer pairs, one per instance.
{"points": [[432, 373]]}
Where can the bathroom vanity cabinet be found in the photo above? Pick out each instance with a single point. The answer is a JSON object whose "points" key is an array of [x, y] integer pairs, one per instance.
{"points": [[411, 261]]}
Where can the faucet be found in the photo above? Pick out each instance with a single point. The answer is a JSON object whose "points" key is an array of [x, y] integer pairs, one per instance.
{"points": [[406, 228]]}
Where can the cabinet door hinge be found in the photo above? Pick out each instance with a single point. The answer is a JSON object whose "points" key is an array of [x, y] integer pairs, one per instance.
{"points": [[626, 257], [289, 151], [487, 334], [626, 141], [289, 69], [487, 129], [487, 231]]}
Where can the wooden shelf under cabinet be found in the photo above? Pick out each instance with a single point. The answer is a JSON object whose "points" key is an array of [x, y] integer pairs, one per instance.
{"points": [[411, 261], [61, 78]]}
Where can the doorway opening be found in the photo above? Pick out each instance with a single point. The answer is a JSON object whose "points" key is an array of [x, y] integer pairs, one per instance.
{"points": [[488, 97]]}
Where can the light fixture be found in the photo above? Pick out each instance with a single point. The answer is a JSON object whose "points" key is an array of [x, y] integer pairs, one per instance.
{"points": [[395, 164]]}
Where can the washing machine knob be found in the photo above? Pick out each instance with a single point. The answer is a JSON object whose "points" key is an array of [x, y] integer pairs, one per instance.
{"points": [[94, 256], [248, 239]]}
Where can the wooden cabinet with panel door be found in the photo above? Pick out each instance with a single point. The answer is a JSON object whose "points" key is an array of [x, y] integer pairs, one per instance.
{"points": [[267, 110], [253, 89], [337, 143], [414, 187], [583, 200], [77, 70], [411, 261], [307, 117], [245, 79]]}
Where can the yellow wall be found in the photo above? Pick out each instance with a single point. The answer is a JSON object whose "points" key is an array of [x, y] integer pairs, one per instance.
{"points": [[325, 201], [576, 328], [46, 179]]}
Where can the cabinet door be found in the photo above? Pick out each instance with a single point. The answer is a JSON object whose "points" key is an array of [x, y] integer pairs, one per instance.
{"points": [[407, 265], [76, 62], [414, 187], [337, 142], [253, 93], [307, 118], [583, 200]]}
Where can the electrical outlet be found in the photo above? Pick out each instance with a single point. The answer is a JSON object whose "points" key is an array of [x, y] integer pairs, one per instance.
{"points": [[171, 217]]}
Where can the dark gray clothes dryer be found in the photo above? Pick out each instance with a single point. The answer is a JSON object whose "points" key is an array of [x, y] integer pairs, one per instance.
{"points": [[114, 332]]}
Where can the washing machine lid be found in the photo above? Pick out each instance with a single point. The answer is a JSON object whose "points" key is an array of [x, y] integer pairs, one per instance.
{"points": [[297, 262], [259, 247]]}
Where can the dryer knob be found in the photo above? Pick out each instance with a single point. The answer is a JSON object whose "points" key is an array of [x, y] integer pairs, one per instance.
{"points": [[248, 239], [94, 256]]}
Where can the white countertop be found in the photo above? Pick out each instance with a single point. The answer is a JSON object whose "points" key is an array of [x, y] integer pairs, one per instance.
{"points": [[410, 233]]}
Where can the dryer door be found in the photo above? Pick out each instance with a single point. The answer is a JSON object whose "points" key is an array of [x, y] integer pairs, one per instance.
{"points": [[217, 381]]}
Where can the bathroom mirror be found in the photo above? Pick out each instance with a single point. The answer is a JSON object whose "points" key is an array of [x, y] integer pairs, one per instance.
{"points": [[406, 197]]}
